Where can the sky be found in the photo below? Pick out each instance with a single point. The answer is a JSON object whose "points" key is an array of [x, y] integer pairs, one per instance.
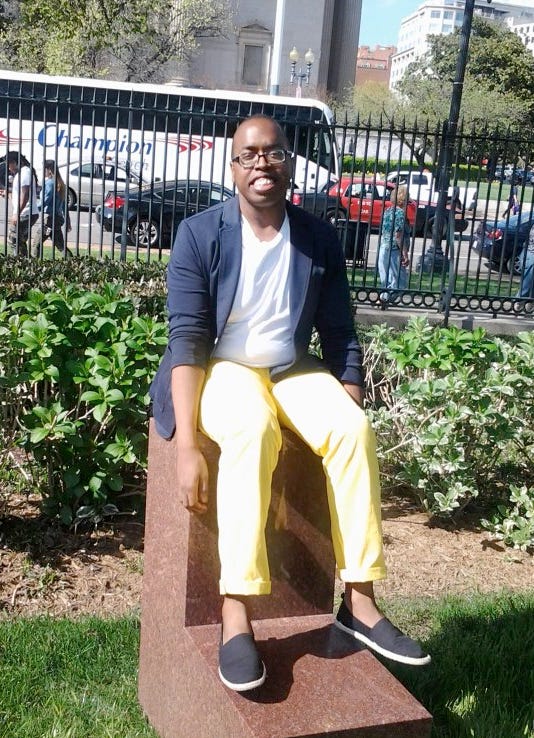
{"points": [[381, 19]]}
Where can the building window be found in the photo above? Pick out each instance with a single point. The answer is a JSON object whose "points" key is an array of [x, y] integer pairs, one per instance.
{"points": [[252, 68], [252, 65], [435, 14], [448, 15]]}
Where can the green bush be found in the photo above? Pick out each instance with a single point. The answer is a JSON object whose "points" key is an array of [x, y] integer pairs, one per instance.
{"points": [[358, 164], [140, 280], [75, 367], [514, 525], [452, 410]]}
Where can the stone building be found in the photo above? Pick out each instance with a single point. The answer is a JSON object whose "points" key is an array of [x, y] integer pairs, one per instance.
{"points": [[374, 65], [242, 58], [443, 17]]}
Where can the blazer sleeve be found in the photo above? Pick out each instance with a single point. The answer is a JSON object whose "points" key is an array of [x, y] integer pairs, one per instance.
{"points": [[334, 318], [189, 303]]}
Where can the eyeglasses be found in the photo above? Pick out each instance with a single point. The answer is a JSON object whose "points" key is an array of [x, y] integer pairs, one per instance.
{"points": [[248, 159]]}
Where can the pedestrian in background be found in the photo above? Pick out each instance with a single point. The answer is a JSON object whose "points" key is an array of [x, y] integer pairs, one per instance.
{"points": [[53, 210], [393, 251], [24, 205], [513, 201], [526, 288]]}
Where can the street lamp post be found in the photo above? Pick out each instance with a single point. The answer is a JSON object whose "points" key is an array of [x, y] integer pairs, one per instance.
{"points": [[434, 259], [298, 77]]}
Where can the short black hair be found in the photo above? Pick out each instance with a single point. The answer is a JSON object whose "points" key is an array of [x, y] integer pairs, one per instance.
{"points": [[261, 116]]}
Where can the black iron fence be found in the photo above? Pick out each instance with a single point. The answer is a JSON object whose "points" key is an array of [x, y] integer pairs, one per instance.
{"points": [[134, 164]]}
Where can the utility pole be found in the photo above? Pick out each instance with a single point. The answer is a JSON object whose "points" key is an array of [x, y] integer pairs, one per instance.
{"points": [[434, 258], [277, 46]]}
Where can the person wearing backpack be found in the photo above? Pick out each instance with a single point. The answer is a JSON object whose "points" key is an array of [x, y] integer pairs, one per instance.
{"points": [[23, 202], [53, 210]]}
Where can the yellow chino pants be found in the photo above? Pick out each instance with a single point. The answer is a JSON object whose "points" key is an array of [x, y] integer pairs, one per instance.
{"points": [[242, 410]]}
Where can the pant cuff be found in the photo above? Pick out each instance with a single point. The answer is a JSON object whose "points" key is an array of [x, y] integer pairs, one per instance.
{"points": [[259, 587], [359, 575]]}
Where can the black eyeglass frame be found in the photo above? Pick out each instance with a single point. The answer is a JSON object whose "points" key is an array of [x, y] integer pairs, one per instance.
{"points": [[257, 156]]}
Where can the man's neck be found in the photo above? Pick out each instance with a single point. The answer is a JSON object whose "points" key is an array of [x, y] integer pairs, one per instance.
{"points": [[265, 222]]}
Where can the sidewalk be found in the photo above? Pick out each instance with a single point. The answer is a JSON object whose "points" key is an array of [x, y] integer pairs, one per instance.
{"points": [[503, 325]]}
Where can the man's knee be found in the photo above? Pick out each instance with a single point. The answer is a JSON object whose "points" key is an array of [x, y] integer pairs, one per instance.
{"points": [[262, 425], [356, 428]]}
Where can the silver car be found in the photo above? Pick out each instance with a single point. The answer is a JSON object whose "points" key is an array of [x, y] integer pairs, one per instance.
{"points": [[87, 183]]}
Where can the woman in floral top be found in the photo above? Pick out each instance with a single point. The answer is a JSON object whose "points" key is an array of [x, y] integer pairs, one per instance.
{"points": [[393, 250]]}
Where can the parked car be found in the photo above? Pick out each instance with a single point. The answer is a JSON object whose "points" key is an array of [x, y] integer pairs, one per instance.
{"points": [[320, 202], [154, 212], [501, 242], [88, 182], [361, 199]]}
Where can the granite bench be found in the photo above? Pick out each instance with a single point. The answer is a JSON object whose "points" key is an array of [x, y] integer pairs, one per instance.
{"points": [[319, 683]]}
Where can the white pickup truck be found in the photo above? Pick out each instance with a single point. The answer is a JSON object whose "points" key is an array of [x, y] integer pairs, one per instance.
{"points": [[421, 188]]}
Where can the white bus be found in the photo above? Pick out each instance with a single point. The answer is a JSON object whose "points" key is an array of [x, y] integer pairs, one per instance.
{"points": [[102, 132]]}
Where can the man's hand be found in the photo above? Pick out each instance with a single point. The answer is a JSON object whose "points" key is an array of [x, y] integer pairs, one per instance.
{"points": [[356, 392], [192, 480]]}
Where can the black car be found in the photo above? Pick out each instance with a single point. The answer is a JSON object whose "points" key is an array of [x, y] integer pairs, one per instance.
{"points": [[155, 211], [501, 242], [320, 203]]}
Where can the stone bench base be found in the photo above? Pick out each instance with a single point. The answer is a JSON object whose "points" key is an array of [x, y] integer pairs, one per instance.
{"points": [[318, 683]]}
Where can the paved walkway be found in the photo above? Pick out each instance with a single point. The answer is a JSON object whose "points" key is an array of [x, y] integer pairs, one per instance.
{"points": [[503, 325]]}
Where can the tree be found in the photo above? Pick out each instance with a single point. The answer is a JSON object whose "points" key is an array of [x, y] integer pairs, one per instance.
{"points": [[497, 95], [132, 39], [498, 85]]}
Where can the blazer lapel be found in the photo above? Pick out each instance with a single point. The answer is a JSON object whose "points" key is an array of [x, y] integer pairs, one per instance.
{"points": [[230, 261], [301, 263]]}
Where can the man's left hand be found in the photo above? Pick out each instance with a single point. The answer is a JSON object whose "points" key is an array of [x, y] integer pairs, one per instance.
{"points": [[356, 392]]}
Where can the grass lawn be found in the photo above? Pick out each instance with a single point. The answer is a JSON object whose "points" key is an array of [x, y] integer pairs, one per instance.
{"points": [[131, 254], [77, 679]]}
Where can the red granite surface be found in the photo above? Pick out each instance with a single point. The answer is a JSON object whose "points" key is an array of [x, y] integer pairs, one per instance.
{"points": [[317, 685]]}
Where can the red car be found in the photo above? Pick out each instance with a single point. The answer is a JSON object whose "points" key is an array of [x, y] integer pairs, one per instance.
{"points": [[365, 199]]}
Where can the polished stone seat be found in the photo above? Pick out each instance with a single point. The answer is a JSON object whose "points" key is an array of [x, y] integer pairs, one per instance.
{"points": [[319, 683]]}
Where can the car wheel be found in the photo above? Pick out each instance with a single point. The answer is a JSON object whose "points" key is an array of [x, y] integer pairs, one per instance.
{"points": [[71, 199], [514, 265], [144, 233], [333, 216]]}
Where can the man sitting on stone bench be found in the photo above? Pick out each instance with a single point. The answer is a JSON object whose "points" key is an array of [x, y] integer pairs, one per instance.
{"points": [[248, 279]]}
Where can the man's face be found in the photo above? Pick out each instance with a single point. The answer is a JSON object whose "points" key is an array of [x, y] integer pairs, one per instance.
{"points": [[12, 166], [264, 184]]}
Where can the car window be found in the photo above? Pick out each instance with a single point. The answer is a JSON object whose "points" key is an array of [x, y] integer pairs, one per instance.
{"points": [[360, 189], [174, 194], [419, 179], [216, 196], [198, 196], [115, 173], [382, 190], [85, 170]]}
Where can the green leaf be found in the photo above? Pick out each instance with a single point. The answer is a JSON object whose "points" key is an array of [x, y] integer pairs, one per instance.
{"points": [[38, 434], [100, 411]]}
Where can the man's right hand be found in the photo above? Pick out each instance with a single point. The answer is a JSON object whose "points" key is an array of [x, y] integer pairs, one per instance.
{"points": [[192, 476]]}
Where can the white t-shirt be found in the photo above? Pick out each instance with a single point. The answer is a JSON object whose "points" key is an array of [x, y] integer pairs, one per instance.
{"points": [[24, 178], [258, 331]]}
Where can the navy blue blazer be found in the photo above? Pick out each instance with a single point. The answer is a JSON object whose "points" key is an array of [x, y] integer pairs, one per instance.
{"points": [[202, 278]]}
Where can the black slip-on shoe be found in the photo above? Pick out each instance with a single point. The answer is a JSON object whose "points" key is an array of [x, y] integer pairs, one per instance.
{"points": [[240, 667], [384, 638]]}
